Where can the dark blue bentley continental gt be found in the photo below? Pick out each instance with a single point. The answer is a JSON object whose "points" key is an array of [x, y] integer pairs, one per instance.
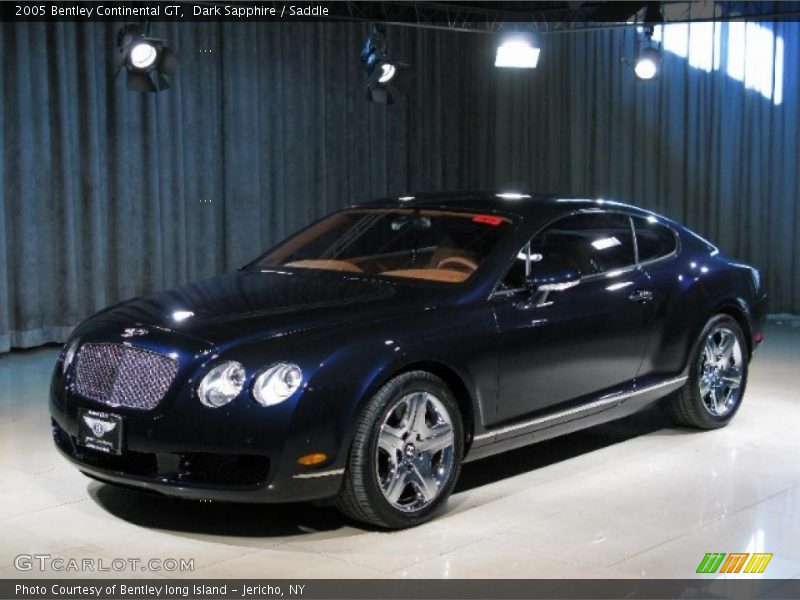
{"points": [[368, 356]]}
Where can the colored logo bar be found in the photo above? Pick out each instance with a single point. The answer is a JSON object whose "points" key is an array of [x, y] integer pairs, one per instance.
{"points": [[735, 562]]}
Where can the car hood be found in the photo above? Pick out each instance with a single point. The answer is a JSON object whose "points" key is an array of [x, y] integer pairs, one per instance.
{"points": [[258, 304]]}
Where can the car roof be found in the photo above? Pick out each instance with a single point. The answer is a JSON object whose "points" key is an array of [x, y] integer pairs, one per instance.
{"points": [[522, 204]]}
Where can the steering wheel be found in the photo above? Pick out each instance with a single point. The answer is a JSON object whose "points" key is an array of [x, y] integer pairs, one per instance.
{"points": [[458, 261]]}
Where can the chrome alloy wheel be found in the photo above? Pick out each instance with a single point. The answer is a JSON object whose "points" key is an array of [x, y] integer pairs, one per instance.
{"points": [[721, 364], [415, 453]]}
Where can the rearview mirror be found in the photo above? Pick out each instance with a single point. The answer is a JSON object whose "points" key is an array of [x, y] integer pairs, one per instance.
{"points": [[552, 278]]}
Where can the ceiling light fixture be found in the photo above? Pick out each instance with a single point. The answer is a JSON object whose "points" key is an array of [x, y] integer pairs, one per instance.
{"points": [[648, 60], [150, 62], [382, 71], [517, 52], [648, 64]]}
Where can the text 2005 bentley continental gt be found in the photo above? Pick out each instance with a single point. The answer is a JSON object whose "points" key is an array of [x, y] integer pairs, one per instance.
{"points": [[365, 358]]}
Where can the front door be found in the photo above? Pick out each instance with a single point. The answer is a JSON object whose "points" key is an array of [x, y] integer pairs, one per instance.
{"points": [[561, 348]]}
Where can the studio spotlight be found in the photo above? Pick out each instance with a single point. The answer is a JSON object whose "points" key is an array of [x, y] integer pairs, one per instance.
{"points": [[517, 52], [149, 61], [382, 72], [143, 55], [648, 63], [388, 71]]}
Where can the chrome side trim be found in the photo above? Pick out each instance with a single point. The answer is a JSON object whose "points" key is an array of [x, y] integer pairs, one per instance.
{"points": [[318, 474], [610, 399]]}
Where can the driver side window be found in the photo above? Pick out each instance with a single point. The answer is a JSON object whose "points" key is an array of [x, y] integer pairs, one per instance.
{"points": [[591, 243]]}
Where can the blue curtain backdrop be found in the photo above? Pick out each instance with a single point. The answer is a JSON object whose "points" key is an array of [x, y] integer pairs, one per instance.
{"points": [[106, 194]]}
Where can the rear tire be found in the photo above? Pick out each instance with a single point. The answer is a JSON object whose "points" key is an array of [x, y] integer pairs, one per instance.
{"points": [[406, 453], [717, 378]]}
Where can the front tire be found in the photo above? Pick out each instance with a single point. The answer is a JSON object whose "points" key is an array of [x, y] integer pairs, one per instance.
{"points": [[406, 453], [717, 378]]}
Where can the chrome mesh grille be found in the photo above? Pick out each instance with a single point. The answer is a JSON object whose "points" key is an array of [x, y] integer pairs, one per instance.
{"points": [[120, 375]]}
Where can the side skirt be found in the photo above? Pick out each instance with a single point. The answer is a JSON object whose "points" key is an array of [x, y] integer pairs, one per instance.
{"points": [[594, 412]]}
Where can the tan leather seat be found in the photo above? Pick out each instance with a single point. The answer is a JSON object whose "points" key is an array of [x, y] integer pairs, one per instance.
{"points": [[331, 265], [446, 275]]}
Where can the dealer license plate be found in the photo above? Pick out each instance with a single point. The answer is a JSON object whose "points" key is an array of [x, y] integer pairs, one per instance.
{"points": [[100, 431]]}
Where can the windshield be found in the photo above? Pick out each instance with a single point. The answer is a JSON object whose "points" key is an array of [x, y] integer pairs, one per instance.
{"points": [[435, 245]]}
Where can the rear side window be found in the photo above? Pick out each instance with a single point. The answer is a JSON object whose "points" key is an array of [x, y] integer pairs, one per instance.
{"points": [[591, 242], [653, 239]]}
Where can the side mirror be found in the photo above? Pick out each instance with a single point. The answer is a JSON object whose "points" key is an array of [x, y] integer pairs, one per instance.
{"points": [[548, 277]]}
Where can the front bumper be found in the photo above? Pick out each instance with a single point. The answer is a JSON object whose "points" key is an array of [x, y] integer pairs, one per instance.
{"points": [[241, 455], [228, 478], [200, 476]]}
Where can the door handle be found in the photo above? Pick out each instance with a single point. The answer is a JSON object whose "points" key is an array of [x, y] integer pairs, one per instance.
{"points": [[641, 296]]}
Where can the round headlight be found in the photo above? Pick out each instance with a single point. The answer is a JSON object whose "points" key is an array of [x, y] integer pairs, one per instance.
{"points": [[277, 383], [69, 355], [221, 384]]}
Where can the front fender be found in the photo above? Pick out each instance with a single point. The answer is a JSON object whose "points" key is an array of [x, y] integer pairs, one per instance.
{"points": [[345, 368]]}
